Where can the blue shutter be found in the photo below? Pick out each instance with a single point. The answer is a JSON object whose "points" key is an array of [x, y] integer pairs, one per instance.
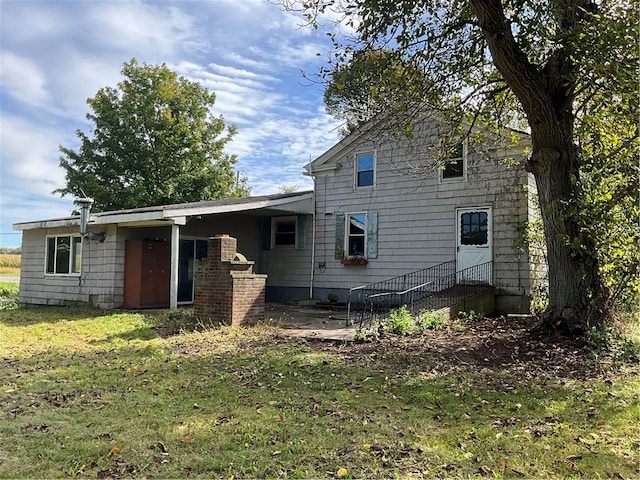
{"points": [[340, 236], [372, 234], [266, 233], [300, 231]]}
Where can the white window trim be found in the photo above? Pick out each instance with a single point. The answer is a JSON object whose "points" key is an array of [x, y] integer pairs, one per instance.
{"points": [[465, 157], [72, 254], [355, 169], [274, 225], [347, 217]]}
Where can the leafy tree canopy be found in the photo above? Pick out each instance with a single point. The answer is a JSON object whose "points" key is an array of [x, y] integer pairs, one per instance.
{"points": [[155, 141], [566, 70]]}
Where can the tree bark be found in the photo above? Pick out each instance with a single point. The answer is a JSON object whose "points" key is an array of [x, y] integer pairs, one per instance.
{"points": [[577, 296]]}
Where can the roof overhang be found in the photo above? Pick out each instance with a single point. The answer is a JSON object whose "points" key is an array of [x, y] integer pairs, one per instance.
{"points": [[282, 204]]}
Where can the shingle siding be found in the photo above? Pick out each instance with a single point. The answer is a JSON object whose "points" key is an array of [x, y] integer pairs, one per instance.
{"points": [[417, 216], [95, 284]]}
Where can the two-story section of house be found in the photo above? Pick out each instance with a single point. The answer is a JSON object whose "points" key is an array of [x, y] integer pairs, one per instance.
{"points": [[385, 206]]}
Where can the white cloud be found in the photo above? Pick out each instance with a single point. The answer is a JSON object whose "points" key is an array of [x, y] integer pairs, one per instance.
{"points": [[250, 53], [152, 29], [29, 156], [22, 78]]}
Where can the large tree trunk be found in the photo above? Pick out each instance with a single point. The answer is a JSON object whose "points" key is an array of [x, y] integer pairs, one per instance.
{"points": [[577, 296]]}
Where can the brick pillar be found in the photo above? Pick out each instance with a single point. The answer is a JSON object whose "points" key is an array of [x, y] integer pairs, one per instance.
{"points": [[226, 289]]}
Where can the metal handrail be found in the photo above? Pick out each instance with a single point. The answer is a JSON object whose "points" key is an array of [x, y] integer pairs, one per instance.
{"points": [[380, 297], [404, 292]]}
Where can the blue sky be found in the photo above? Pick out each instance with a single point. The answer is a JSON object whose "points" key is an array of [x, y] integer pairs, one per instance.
{"points": [[56, 54]]}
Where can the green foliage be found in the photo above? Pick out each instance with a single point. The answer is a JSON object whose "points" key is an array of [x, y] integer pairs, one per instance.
{"points": [[8, 295], [610, 204], [539, 298], [372, 334], [154, 142], [373, 81], [400, 321], [608, 342], [430, 320], [471, 315]]}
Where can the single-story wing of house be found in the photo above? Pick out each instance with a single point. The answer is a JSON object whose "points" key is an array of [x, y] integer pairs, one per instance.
{"points": [[375, 213], [145, 257]]}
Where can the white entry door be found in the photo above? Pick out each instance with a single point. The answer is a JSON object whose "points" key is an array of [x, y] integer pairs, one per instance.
{"points": [[474, 242]]}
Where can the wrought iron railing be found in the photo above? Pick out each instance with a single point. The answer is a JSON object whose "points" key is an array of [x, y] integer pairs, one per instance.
{"points": [[427, 289]]}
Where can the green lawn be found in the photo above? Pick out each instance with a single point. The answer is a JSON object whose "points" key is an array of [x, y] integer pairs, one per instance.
{"points": [[91, 394]]}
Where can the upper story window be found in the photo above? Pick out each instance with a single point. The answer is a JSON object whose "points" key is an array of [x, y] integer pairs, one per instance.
{"points": [[63, 255], [455, 163], [284, 232], [365, 169]]}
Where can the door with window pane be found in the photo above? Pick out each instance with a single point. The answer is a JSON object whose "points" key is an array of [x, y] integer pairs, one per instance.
{"points": [[189, 251], [474, 237]]}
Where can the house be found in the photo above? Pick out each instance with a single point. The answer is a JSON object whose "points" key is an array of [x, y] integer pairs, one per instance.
{"points": [[381, 206], [387, 204], [145, 257]]}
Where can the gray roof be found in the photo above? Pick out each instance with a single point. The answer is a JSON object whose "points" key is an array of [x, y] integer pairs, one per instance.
{"points": [[281, 203]]}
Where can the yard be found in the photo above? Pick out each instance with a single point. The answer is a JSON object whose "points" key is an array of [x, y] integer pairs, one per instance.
{"points": [[93, 394]]}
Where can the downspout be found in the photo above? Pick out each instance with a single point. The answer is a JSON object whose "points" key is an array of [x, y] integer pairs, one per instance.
{"points": [[175, 245], [313, 239]]}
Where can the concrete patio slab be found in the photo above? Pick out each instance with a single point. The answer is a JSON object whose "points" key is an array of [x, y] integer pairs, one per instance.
{"points": [[311, 321]]}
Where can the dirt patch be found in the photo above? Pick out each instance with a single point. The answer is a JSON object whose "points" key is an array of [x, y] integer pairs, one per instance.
{"points": [[497, 344], [505, 344]]}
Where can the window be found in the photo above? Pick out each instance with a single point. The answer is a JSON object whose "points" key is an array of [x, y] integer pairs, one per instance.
{"points": [[64, 255], [365, 170], [474, 228], [454, 167], [284, 232], [356, 235]]}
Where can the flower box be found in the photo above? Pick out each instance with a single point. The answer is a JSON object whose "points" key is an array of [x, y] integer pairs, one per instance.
{"points": [[353, 261]]}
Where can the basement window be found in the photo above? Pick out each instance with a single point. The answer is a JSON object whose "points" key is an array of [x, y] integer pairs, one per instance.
{"points": [[63, 255]]}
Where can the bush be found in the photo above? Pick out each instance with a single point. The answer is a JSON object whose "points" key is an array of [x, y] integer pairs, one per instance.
{"points": [[8, 296], [400, 321], [470, 315], [608, 342], [430, 320], [372, 334]]}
